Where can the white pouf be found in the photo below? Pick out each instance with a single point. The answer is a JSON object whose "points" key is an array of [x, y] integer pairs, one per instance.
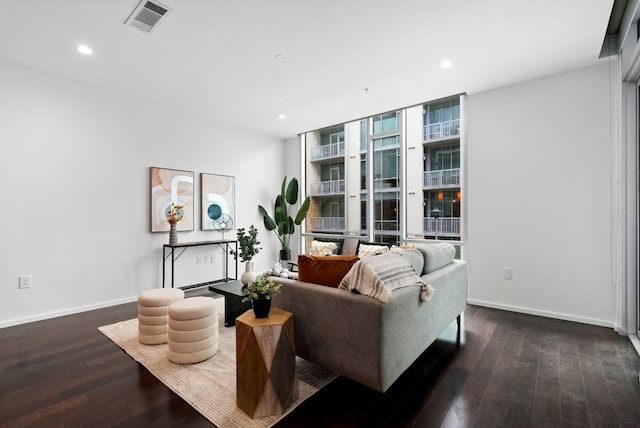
{"points": [[192, 330], [153, 308]]}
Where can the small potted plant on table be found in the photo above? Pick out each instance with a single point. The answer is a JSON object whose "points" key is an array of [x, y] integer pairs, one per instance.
{"points": [[259, 292]]}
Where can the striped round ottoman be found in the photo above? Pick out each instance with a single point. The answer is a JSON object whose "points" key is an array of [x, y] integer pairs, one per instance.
{"points": [[153, 307], [193, 330]]}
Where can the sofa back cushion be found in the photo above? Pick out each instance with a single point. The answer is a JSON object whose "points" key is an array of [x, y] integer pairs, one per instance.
{"points": [[436, 256], [324, 270]]}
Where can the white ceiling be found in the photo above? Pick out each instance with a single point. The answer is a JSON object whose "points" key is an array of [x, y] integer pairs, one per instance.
{"points": [[217, 57]]}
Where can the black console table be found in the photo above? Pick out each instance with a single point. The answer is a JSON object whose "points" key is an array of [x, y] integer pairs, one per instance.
{"points": [[174, 251]]}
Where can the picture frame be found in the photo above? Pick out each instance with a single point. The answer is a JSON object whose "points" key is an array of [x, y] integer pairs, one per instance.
{"points": [[217, 201], [171, 186]]}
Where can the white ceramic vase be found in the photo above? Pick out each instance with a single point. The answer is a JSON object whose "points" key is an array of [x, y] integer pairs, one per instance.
{"points": [[248, 275]]}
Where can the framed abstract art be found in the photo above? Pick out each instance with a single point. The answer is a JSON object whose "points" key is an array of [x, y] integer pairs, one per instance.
{"points": [[218, 201], [171, 186]]}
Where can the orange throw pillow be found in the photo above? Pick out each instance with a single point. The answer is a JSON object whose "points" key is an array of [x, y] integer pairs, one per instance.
{"points": [[324, 270]]}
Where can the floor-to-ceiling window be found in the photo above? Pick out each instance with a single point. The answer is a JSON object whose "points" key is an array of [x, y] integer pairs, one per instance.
{"points": [[359, 180]]}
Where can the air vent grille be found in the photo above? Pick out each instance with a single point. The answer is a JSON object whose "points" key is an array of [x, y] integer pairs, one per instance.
{"points": [[146, 16]]}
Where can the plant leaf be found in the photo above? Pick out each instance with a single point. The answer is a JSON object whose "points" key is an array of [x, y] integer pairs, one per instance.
{"points": [[302, 212], [292, 191], [281, 215], [268, 221]]}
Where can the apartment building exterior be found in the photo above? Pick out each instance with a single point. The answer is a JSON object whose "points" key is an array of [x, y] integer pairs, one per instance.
{"points": [[391, 178]]}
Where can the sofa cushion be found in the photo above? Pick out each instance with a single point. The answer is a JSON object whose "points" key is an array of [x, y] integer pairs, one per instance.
{"points": [[366, 249], [320, 248], [324, 270], [436, 256]]}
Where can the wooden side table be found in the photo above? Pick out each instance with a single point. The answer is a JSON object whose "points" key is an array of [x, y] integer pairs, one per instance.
{"points": [[265, 362]]}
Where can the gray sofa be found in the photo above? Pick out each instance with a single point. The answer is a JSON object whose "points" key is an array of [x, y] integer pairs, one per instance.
{"points": [[365, 339]]}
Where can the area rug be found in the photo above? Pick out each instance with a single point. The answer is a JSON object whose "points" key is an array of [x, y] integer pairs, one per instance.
{"points": [[210, 386]]}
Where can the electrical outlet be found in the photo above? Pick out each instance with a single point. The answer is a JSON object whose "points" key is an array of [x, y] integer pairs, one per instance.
{"points": [[508, 273], [24, 281]]}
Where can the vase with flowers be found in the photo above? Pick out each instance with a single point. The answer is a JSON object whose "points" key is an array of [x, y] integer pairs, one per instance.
{"points": [[174, 215], [259, 292], [248, 248]]}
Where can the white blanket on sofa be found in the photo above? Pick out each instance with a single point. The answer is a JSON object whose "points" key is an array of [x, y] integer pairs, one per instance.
{"points": [[377, 276]]}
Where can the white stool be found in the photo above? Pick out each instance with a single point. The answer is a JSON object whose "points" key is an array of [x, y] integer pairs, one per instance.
{"points": [[153, 306], [193, 330]]}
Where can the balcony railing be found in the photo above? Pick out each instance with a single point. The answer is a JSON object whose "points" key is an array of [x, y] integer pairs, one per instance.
{"points": [[441, 130], [333, 187], [327, 223], [327, 151], [443, 226], [442, 178]]}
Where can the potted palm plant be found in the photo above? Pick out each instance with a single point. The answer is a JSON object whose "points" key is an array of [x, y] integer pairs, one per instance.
{"points": [[281, 223], [259, 292], [248, 243]]}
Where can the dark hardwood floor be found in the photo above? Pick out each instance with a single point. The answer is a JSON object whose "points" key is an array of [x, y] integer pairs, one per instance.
{"points": [[508, 370]]}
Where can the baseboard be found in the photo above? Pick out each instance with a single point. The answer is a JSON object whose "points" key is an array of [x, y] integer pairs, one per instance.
{"points": [[635, 342], [64, 312], [547, 314]]}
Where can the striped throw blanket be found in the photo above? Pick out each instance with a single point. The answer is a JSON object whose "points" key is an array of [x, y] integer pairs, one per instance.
{"points": [[377, 276]]}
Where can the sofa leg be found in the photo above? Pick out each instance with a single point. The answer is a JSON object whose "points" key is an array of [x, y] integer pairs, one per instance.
{"points": [[459, 321]]}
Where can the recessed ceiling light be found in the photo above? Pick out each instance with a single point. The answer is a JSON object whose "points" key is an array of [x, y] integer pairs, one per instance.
{"points": [[282, 116], [280, 57], [446, 64], [84, 49]]}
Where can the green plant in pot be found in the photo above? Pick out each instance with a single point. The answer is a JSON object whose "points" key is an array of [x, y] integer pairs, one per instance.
{"points": [[248, 243], [259, 292], [281, 222]]}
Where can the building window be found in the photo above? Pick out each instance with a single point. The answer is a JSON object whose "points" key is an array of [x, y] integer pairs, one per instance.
{"points": [[433, 172], [442, 120], [385, 169], [363, 135], [385, 123]]}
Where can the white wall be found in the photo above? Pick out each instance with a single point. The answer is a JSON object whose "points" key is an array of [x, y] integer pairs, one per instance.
{"points": [[74, 163], [539, 197]]}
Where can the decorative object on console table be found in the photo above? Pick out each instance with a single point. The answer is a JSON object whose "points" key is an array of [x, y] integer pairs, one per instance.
{"points": [[248, 243], [260, 291], [281, 223], [171, 186], [174, 215]]}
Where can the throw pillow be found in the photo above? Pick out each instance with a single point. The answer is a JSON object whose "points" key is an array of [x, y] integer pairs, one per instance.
{"points": [[324, 270], [379, 276], [366, 250], [436, 256], [319, 248]]}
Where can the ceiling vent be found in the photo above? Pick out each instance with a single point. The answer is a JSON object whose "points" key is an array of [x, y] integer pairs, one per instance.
{"points": [[147, 15]]}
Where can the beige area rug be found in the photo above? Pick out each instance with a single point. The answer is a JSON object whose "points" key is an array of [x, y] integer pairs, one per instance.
{"points": [[210, 386]]}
